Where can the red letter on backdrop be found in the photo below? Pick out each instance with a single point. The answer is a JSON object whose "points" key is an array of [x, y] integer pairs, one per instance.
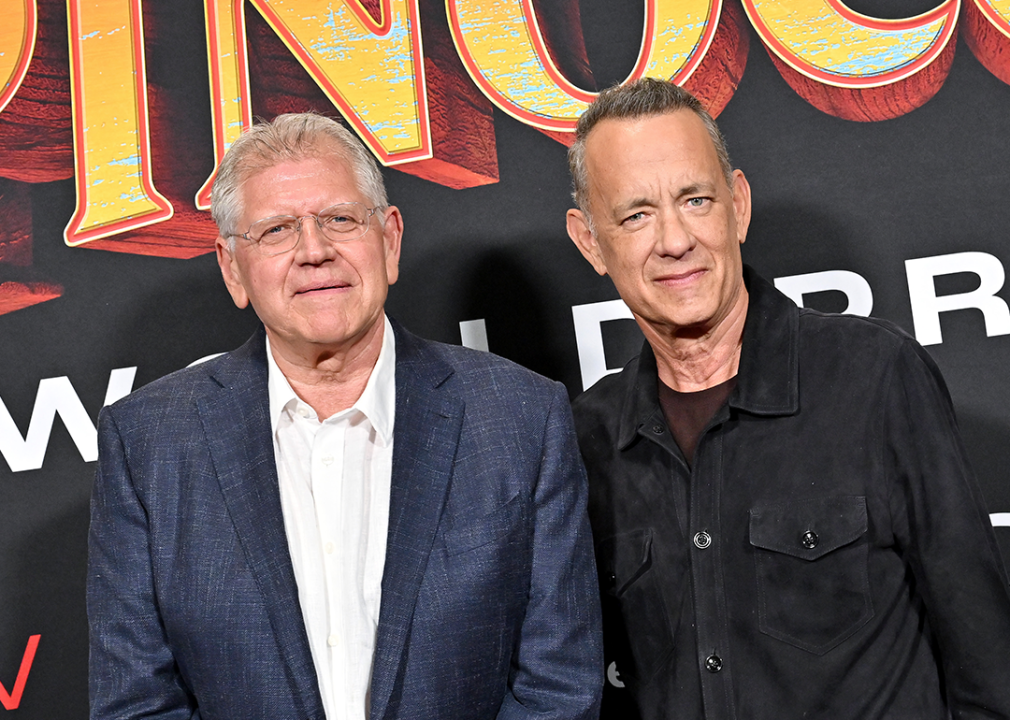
{"points": [[987, 31], [853, 66], [11, 700]]}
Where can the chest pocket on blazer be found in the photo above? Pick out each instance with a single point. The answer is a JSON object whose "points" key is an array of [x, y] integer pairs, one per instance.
{"points": [[477, 532], [637, 631], [812, 572]]}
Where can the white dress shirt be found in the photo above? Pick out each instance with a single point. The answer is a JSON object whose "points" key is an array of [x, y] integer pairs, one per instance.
{"points": [[334, 486]]}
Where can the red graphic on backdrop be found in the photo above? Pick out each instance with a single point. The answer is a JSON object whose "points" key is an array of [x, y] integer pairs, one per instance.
{"points": [[12, 700]]}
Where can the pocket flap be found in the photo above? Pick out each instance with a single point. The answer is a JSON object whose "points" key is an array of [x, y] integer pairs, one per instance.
{"points": [[623, 558], [808, 529], [483, 530]]}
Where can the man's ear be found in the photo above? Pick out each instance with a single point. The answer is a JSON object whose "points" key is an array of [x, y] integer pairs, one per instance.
{"points": [[741, 204], [392, 233], [585, 241], [231, 272]]}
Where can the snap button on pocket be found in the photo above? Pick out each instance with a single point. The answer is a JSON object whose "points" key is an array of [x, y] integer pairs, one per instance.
{"points": [[809, 540], [702, 540]]}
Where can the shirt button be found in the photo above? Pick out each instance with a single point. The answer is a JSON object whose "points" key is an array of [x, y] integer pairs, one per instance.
{"points": [[702, 540], [713, 663], [809, 539], [303, 411], [332, 641], [329, 548], [658, 429]]}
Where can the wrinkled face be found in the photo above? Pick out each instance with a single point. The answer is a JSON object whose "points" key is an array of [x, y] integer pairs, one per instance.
{"points": [[668, 228], [321, 295]]}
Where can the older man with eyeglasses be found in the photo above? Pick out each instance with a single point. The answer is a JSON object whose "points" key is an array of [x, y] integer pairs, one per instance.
{"points": [[338, 519]]}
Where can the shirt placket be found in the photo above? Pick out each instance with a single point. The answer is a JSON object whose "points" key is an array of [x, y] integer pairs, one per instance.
{"points": [[334, 503], [707, 574]]}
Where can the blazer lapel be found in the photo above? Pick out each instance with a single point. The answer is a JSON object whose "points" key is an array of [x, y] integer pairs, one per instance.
{"points": [[237, 426], [426, 435]]}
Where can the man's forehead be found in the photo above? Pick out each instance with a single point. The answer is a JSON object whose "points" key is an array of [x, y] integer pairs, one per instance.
{"points": [[300, 177], [675, 127], [670, 152]]}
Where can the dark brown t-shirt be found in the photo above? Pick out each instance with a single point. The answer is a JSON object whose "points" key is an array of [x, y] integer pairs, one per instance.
{"points": [[687, 413]]}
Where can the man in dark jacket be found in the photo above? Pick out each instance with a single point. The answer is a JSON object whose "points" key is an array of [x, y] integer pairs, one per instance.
{"points": [[785, 522]]}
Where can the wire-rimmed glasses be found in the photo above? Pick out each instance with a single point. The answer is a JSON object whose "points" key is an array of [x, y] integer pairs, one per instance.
{"points": [[338, 223]]}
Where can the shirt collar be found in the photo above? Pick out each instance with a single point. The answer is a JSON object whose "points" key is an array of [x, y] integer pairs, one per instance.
{"points": [[768, 376], [377, 401]]}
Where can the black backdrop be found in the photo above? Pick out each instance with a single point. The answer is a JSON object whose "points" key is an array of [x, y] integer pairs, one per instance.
{"points": [[829, 194]]}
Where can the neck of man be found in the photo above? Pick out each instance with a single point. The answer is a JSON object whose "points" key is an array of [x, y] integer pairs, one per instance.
{"points": [[330, 379], [689, 360]]}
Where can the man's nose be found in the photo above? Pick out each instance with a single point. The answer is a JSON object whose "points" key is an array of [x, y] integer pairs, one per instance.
{"points": [[673, 236], [312, 246]]}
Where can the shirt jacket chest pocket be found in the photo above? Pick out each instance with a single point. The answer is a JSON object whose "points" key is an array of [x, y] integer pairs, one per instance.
{"points": [[812, 570]]}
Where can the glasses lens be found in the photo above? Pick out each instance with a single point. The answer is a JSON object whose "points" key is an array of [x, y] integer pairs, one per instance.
{"points": [[340, 223], [274, 233], [346, 221]]}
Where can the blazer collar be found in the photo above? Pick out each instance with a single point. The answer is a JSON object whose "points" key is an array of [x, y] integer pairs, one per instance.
{"points": [[768, 378], [236, 422], [429, 418]]}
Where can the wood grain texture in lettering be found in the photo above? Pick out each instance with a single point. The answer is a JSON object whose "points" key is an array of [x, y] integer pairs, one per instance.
{"points": [[717, 78]]}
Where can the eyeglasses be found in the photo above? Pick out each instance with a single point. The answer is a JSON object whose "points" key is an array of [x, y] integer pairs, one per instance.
{"points": [[339, 223]]}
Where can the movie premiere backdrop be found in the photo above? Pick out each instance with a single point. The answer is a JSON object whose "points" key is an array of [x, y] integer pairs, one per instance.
{"points": [[874, 134]]}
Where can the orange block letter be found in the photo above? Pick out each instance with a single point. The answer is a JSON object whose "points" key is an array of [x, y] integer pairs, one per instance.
{"points": [[112, 147], [504, 51], [853, 66]]}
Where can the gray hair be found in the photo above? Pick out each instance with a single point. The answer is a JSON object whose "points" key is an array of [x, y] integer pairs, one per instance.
{"points": [[293, 136], [642, 98]]}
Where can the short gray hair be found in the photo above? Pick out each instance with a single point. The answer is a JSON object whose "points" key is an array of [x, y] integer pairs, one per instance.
{"points": [[642, 98], [292, 136]]}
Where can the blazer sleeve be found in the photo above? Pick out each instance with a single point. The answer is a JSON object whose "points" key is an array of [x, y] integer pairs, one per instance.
{"points": [[558, 664], [132, 671]]}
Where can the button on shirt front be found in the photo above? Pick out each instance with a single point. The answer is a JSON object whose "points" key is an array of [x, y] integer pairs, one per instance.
{"points": [[334, 477]]}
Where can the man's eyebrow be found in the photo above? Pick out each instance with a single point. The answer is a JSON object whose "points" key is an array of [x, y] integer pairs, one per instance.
{"points": [[634, 203], [695, 188]]}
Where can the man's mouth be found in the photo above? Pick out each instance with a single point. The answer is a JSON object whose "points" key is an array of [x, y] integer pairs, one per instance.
{"points": [[680, 278], [321, 287]]}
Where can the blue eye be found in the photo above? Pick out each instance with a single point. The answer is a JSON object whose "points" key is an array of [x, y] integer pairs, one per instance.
{"points": [[697, 201]]}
